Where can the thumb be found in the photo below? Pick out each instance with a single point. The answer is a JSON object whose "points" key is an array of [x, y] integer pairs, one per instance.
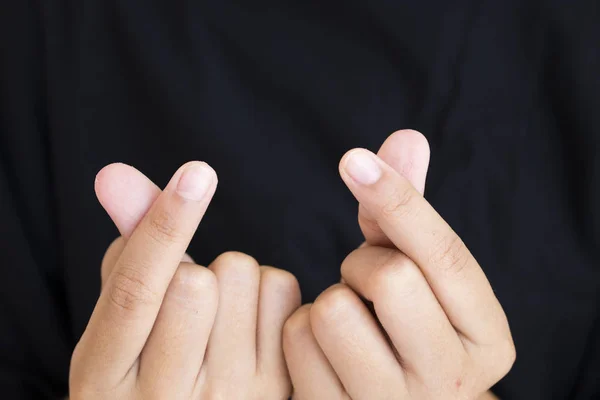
{"points": [[407, 152], [126, 194]]}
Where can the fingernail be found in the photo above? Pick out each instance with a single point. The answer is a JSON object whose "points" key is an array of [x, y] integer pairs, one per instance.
{"points": [[362, 167], [195, 181]]}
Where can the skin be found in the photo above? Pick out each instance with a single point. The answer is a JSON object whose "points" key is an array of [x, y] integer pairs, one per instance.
{"points": [[166, 328], [415, 316]]}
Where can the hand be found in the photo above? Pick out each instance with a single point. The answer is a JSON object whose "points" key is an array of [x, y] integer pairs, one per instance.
{"points": [[164, 328], [438, 331]]}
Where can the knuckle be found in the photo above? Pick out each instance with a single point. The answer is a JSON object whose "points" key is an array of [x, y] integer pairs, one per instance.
{"points": [[511, 358], [387, 267], [162, 227], [233, 260], [332, 304], [397, 275], [496, 360], [194, 281], [400, 203], [128, 290], [296, 326], [506, 358], [450, 255], [374, 256], [279, 280], [349, 261]]}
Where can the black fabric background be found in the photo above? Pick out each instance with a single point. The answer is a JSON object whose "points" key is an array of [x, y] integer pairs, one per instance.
{"points": [[271, 94]]}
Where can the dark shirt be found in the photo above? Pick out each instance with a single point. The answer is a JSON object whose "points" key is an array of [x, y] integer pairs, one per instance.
{"points": [[271, 94]]}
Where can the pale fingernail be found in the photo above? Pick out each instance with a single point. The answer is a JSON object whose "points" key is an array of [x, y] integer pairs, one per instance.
{"points": [[362, 167], [195, 181]]}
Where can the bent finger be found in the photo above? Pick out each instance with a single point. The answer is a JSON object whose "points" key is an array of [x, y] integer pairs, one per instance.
{"points": [[355, 346], [312, 375], [129, 303], [232, 344], [418, 231], [278, 298], [174, 352], [416, 324]]}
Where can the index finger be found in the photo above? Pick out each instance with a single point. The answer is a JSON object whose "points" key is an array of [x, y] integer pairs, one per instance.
{"points": [[129, 304], [417, 230]]}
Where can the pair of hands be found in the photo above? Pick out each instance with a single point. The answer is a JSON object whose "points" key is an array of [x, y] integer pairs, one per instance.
{"points": [[414, 316]]}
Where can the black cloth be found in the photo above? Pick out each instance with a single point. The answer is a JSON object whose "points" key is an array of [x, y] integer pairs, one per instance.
{"points": [[271, 94]]}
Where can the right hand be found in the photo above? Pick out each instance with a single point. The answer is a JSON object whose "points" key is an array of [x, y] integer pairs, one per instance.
{"points": [[167, 329]]}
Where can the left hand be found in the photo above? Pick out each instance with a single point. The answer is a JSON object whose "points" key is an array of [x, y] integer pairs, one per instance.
{"points": [[437, 332], [217, 331]]}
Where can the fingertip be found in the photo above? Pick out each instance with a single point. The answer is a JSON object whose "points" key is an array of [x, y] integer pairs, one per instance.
{"points": [[194, 180], [408, 153], [409, 138], [406, 141], [110, 172], [109, 168], [126, 194], [344, 160], [361, 167], [202, 164]]}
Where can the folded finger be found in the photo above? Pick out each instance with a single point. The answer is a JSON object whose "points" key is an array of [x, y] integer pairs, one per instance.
{"points": [[174, 352], [279, 297], [311, 374], [129, 303], [417, 230], [416, 324], [355, 346], [232, 345]]}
